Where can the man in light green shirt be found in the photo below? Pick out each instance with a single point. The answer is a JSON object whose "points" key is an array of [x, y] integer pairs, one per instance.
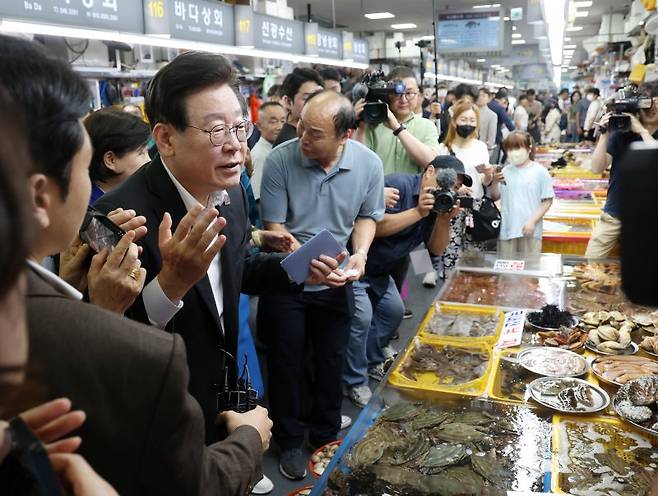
{"points": [[406, 142]]}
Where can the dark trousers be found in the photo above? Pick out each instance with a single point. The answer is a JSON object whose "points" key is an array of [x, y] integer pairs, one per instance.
{"points": [[399, 272], [324, 318]]}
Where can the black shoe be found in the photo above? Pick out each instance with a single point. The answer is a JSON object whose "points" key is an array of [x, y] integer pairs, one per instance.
{"points": [[407, 313], [292, 464]]}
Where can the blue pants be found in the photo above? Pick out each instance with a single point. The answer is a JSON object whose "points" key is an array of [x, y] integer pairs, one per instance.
{"points": [[372, 328]]}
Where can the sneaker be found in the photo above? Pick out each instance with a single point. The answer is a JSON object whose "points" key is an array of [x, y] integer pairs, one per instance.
{"points": [[389, 352], [429, 281], [360, 395], [345, 422], [408, 313], [264, 486], [378, 372], [292, 464]]}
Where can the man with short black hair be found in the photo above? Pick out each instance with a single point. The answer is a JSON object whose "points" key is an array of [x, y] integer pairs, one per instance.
{"points": [[499, 106], [332, 79], [144, 433], [323, 180], [488, 118], [272, 118], [295, 90]]}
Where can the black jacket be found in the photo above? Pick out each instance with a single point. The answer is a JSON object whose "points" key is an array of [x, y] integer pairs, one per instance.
{"points": [[151, 193]]}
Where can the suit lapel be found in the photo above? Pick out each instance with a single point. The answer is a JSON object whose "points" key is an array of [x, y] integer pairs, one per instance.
{"points": [[160, 184]]}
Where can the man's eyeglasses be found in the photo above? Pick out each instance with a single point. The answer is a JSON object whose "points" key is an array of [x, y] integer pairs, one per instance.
{"points": [[220, 134], [409, 95]]}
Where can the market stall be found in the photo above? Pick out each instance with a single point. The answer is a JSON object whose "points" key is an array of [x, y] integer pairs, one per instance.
{"points": [[495, 395]]}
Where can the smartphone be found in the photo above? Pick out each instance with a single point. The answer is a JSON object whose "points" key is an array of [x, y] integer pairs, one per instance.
{"points": [[99, 232]]}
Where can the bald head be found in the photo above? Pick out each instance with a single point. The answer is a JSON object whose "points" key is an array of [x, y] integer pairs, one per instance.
{"points": [[329, 105]]}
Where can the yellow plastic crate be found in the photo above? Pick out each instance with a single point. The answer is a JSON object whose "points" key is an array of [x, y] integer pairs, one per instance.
{"points": [[495, 385], [571, 172], [432, 381], [565, 245], [456, 308], [625, 454]]}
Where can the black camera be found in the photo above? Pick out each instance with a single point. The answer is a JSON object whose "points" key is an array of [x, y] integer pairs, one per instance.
{"points": [[444, 196], [377, 92], [627, 100]]}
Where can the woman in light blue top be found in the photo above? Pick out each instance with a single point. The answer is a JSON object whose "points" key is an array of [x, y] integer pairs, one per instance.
{"points": [[526, 191]]}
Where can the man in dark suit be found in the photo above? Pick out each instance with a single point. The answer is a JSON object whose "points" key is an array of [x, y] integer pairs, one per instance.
{"points": [[144, 432], [195, 275]]}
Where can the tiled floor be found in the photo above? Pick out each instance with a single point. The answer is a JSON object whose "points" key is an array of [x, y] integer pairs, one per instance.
{"points": [[418, 302]]}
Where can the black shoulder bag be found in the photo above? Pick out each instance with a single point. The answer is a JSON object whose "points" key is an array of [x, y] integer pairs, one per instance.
{"points": [[486, 220]]}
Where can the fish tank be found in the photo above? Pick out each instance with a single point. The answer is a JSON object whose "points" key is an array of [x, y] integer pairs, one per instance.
{"points": [[543, 265], [507, 290]]}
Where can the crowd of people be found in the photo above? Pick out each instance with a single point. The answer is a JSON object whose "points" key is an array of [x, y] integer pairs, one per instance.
{"points": [[133, 347]]}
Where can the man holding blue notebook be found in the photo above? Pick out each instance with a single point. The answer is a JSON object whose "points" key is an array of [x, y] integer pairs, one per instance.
{"points": [[323, 180]]}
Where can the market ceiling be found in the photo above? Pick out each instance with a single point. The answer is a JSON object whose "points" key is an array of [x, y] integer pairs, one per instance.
{"points": [[350, 14]]}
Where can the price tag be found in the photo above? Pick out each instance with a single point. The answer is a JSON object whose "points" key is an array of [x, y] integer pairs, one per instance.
{"points": [[512, 329], [509, 265]]}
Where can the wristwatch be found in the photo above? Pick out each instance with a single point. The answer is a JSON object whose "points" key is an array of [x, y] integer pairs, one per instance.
{"points": [[399, 130]]}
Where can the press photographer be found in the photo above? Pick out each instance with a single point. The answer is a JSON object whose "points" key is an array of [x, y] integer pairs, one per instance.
{"points": [[404, 141], [630, 118]]}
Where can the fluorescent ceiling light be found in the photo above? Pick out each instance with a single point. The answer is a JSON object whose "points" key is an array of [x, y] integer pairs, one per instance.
{"points": [[505, 18], [582, 13], [575, 28], [554, 13], [517, 35], [513, 28], [487, 6], [518, 42], [583, 4], [567, 39], [408, 25], [8, 26], [481, 60], [379, 15], [573, 67], [428, 37], [566, 47]]}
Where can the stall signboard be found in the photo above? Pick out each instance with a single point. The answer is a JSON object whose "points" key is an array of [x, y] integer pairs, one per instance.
{"points": [[311, 39], [196, 20], [348, 45], [330, 44], [266, 32], [470, 32], [360, 50], [119, 15]]}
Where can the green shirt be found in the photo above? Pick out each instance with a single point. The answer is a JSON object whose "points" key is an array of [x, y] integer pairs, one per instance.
{"points": [[380, 139]]}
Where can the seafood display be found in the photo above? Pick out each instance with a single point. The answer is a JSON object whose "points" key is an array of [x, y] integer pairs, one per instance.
{"points": [[553, 362], [595, 457], [636, 402], [551, 318], [511, 380], [321, 457], [650, 345], [565, 338], [608, 332], [464, 324], [417, 449], [598, 287], [621, 369], [504, 290], [450, 365], [568, 395]]}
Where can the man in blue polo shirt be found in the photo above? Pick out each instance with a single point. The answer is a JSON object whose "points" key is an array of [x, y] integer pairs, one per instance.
{"points": [[323, 180]]}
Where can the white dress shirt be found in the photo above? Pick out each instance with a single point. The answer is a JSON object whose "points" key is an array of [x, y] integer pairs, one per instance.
{"points": [[159, 308], [56, 281], [258, 155]]}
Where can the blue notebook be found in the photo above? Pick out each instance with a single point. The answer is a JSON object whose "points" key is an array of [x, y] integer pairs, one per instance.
{"points": [[297, 263]]}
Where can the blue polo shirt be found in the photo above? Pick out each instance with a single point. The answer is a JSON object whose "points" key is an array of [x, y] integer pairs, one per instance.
{"points": [[300, 194], [503, 118], [384, 252]]}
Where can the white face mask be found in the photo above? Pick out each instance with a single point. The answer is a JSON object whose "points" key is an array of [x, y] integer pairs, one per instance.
{"points": [[519, 156], [590, 97], [442, 93]]}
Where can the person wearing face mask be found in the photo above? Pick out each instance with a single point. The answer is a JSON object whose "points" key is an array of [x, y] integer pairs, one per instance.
{"points": [[593, 111], [462, 143], [526, 191], [610, 149]]}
